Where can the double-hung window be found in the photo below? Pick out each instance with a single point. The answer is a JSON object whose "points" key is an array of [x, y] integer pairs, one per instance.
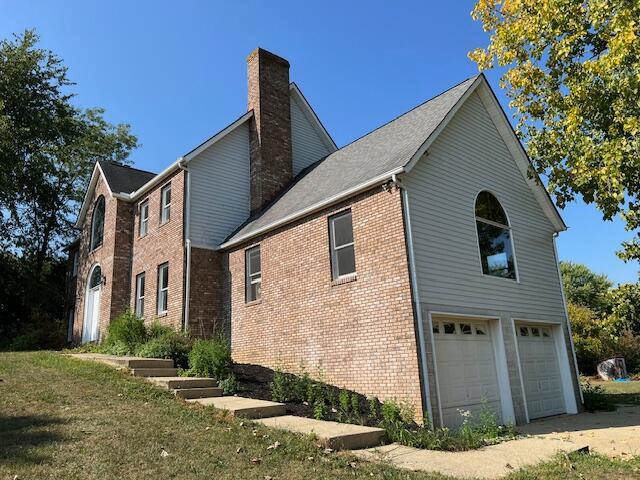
{"points": [[253, 274], [163, 288], [140, 283], [165, 203], [144, 218], [343, 259]]}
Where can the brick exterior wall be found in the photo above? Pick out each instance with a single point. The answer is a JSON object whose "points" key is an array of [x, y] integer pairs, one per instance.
{"points": [[207, 293], [112, 296], [271, 168], [358, 335], [162, 243]]}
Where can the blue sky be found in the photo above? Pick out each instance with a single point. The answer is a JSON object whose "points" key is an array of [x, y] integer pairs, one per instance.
{"points": [[176, 72]]}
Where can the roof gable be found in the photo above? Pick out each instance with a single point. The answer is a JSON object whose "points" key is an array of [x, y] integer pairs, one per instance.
{"points": [[124, 179], [389, 150]]}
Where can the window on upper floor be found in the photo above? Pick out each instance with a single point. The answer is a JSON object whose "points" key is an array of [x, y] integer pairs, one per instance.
{"points": [[74, 264], [253, 274], [140, 284], [97, 223], [165, 203], [343, 259], [494, 237], [163, 289], [143, 228]]}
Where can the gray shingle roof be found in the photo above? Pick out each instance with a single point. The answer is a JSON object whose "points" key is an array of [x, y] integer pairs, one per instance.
{"points": [[123, 179], [383, 150]]}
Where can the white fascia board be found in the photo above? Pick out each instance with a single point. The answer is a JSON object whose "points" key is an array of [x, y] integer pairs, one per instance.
{"points": [[312, 116], [315, 207], [97, 172]]}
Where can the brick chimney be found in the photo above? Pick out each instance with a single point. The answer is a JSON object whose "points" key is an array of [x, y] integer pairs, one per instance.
{"points": [[270, 130]]}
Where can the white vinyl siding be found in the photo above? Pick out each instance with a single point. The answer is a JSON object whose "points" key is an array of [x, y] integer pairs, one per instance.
{"points": [[308, 144], [219, 183], [470, 156]]}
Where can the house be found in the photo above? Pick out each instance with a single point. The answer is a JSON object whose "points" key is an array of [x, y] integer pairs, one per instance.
{"points": [[416, 263]]}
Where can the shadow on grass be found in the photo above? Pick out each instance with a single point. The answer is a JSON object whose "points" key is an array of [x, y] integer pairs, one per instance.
{"points": [[22, 437]]}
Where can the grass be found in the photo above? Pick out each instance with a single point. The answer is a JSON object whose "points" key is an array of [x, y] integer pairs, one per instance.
{"points": [[621, 393], [64, 418]]}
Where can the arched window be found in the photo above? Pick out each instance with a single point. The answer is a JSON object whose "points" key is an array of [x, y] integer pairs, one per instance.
{"points": [[97, 223], [494, 237], [96, 277]]}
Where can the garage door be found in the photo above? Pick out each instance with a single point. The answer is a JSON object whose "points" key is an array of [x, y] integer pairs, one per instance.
{"points": [[540, 370], [466, 368]]}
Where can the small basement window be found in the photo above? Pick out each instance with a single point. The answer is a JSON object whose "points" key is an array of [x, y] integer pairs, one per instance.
{"points": [[253, 274], [343, 260]]}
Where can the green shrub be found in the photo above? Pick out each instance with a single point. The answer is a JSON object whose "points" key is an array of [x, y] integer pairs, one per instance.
{"points": [[320, 409], [127, 329], [229, 385], [171, 345], [279, 387], [116, 347], [373, 405], [595, 398], [211, 358], [156, 329]]}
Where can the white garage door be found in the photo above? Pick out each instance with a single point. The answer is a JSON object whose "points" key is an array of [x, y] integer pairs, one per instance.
{"points": [[466, 368], [540, 371]]}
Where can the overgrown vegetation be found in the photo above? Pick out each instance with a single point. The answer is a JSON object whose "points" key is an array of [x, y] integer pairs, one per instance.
{"points": [[596, 399], [332, 403], [212, 358]]}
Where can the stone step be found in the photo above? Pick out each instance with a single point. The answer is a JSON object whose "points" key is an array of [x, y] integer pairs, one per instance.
{"points": [[333, 434], [244, 407], [173, 383], [154, 372], [189, 393]]}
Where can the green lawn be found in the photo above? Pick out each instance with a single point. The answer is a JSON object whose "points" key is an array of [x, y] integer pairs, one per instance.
{"points": [[62, 418], [621, 392]]}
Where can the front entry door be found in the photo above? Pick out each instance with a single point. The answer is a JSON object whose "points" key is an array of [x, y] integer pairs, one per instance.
{"points": [[90, 330]]}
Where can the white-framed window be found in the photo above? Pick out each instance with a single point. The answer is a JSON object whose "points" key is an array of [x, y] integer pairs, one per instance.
{"points": [[140, 284], [97, 223], [165, 203], [253, 274], [494, 237], [144, 218], [343, 259], [70, 319], [163, 288]]}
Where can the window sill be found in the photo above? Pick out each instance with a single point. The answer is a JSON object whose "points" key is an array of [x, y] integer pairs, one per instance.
{"points": [[346, 279], [96, 248], [162, 224], [252, 303], [162, 314]]}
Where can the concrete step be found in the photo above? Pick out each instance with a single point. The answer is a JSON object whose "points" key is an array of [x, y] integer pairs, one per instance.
{"points": [[154, 372], [188, 393], [172, 383], [125, 362], [244, 407], [333, 434]]}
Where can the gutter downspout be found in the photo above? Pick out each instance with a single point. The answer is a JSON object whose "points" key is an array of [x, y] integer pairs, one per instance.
{"points": [[566, 316], [416, 299], [187, 244]]}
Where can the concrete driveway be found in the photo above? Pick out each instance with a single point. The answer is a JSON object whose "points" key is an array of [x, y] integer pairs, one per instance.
{"points": [[615, 434]]}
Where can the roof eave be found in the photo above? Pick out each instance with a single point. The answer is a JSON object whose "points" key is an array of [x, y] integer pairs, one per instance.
{"points": [[314, 208]]}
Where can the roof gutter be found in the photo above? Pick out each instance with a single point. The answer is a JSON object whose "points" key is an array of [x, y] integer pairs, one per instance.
{"points": [[315, 207]]}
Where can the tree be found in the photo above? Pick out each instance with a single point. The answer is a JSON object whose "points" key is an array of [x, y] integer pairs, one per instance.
{"points": [[48, 148], [585, 288], [625, 308], [572, 75]]}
